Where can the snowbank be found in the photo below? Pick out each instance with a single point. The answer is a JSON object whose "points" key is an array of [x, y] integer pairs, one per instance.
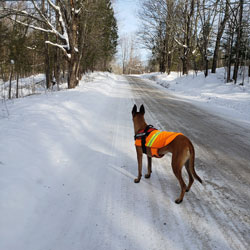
{"points": [[27, 86], [212, 93]]}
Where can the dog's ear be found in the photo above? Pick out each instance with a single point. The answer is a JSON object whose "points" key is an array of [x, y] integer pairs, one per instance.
{"points": [[134, 110], [142, 110]]}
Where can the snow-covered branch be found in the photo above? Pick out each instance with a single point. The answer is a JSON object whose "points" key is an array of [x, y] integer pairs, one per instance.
{"points": [[32, 26], [65, 33], [179, 43], [63, 36], [45, 23], [62, 47]]}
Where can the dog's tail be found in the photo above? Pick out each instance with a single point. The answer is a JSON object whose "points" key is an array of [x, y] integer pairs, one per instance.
{"points": [[191, 163]]}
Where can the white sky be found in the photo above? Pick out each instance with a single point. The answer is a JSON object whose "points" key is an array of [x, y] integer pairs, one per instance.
{"points": [[126, 15]]}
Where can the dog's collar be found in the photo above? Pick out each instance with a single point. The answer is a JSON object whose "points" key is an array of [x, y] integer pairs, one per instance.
{"points": [[144, 132]]}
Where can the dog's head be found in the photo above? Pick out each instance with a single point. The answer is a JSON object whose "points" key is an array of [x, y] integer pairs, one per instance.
{"points": [[138, 118]]}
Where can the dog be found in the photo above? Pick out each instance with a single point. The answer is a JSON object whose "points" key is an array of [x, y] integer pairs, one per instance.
{"points": [[154, 143]]}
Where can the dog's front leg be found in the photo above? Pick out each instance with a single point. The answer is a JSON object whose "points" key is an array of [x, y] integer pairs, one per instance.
{"points": [[139, 161], [149, 167]]}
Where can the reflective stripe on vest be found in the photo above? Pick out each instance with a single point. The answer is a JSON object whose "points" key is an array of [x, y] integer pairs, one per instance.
{"points": [[151, 141]]}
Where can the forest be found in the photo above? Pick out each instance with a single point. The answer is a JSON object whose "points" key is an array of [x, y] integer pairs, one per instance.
{"points": [[64, 39], [196, 34], [61, 38]]}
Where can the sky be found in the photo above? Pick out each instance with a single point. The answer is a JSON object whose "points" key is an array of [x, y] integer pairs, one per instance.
{"points": [[128, 22], [126, 15]]}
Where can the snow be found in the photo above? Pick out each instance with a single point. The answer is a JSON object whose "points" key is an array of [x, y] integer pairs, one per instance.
{"points": [[32, 85], [211, 93], [57, 152], [67, 165], [78, 11]]}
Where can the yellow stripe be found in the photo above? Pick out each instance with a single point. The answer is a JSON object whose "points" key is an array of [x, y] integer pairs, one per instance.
{"points": [[151, 141]]}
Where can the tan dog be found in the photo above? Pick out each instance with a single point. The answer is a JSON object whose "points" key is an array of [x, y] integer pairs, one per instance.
{"points": [[179, 145]]}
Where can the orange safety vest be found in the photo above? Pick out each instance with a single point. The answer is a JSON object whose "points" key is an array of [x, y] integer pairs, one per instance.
{"points": [[156, 140]]}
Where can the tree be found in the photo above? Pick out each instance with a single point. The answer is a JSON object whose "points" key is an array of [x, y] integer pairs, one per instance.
{"points": [[239, 30], [69, 13], [4, 31], [101, 35], [222, 25], [188, 14], [124, 45], [207, 14], [157, 32], [236, 40], [169, 29]]}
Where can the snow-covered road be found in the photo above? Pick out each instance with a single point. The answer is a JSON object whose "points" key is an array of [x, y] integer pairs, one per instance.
{"points": [[67, 165]]}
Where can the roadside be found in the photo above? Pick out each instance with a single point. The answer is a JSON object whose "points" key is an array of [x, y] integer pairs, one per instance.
{"points": [[229, 100]]}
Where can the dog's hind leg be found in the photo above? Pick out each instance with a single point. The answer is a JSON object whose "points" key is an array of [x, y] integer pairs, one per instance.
{"points": [[191, 178], [149, 168], [177, 168]]}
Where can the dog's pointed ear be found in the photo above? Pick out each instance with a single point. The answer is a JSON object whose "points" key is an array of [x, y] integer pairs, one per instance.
{"points": [[142, 110], [134, 110]]}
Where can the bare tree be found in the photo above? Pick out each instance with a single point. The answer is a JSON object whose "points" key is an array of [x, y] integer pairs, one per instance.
{"points": [[158, 30], [188, 15], [125, 45], [207, 13], [222, 25]]}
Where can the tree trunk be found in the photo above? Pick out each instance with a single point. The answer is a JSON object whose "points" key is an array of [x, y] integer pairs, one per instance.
{"points": [[228, 71], [219, 36], [11, 73], [187, 36], [74, 59], [229, 50], [216, 51], [72, 74], [57, 56], [46, 54], [184, 66], [238, 42], [17, 85], [229, 53], [57, 74], [162, 63], [206, 67], [229, 60], [47, 64], [57, 68], [169, 63]]}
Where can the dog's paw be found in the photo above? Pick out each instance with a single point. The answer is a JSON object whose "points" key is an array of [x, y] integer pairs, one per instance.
{"points": [[137, 180], [178, 201], [147, 176]]}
